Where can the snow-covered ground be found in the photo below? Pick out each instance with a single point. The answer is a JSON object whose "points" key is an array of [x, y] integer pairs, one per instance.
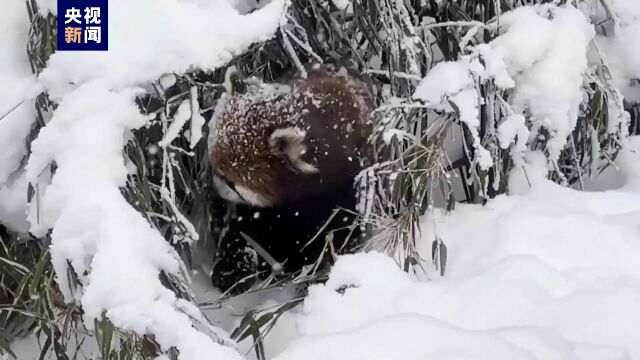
{"points": [[548, 273]]}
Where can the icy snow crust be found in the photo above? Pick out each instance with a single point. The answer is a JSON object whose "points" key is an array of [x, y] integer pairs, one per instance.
{"points": [[550, 274]]}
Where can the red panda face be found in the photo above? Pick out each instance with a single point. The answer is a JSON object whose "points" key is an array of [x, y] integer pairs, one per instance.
{"points": [[276, 145]]}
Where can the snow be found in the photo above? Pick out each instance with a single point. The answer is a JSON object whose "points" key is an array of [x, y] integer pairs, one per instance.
{"points": [[545, 73], [13, 203], [397, 134], [422, 337], [552, 87], [114, 251], [623, 60], [529, 170], [446, 78], [151, 38], [513, 129], [551, 273], [197, 121], [16, 112], [179, 120], [452, 81], [543, 272]]}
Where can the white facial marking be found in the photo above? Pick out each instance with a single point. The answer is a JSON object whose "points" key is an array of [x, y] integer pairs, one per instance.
{"points": [[225, 191], [241, 195], [252, 197]]}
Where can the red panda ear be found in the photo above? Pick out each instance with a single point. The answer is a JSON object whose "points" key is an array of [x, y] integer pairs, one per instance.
{"points": [[288, 142]]}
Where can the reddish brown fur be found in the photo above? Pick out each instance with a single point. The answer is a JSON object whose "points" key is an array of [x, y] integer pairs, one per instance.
{"points": [[330, 109]]}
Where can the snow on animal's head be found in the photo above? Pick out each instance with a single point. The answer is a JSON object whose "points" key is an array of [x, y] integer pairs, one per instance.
{"points": [[277, 144]]}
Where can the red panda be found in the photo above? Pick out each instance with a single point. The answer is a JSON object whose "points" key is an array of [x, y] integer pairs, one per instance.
{"points": [[286, 155]]}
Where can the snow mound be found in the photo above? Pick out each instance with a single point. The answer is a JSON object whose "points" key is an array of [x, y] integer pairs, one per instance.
{"points": [[414, 337], [548, 274]]}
